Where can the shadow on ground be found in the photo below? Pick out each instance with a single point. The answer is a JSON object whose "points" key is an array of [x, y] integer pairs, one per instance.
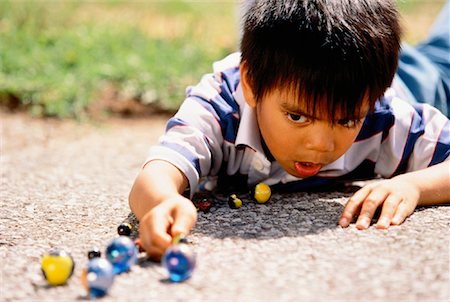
{"points": [[284, 215]]}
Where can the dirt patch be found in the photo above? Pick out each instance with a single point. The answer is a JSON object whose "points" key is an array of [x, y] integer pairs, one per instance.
{"points": [[113, 102]]}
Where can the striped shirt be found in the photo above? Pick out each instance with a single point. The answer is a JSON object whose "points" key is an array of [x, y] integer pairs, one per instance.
{"points": [[215, 133]]}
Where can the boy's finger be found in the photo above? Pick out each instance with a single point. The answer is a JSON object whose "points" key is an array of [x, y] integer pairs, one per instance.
{"points": [[353, 206], [160, 236], [156, 234], [154, 253], [369, 206], [401, 214], [183, 222], [140, 247], [147, 243], [390, 206]]}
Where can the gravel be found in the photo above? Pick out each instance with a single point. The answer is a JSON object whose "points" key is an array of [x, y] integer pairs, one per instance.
{"points": [[65, 185]]}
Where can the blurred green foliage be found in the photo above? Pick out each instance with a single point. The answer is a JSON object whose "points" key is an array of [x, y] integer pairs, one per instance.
{"points": [[57, 56]]}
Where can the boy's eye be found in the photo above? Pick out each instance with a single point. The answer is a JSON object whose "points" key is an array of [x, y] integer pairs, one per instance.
{"points": [[297, 118], [348, 123]]}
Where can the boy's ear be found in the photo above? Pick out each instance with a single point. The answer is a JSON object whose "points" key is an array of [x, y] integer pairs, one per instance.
{"points": [[246, 88]]}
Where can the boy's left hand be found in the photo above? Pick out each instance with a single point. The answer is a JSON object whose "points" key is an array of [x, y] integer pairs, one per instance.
{"points": [[397, 196]]}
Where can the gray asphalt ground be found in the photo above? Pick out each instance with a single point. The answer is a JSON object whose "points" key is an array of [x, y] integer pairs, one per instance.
{"points": [[65, 185]]}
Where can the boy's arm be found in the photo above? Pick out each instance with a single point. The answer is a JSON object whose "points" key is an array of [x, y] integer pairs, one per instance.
{"points": [[398, 196], [163, 212], [157, 181], [433, 183]]}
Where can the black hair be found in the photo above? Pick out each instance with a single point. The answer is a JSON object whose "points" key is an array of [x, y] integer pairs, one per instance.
{"points": [[330, 52]]}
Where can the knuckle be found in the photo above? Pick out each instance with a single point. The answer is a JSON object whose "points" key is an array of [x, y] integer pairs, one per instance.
{"points": [[392, 202], [347, 214], [191, 212], [158, 210], [193, 215], [353, 202], [371, 202]]}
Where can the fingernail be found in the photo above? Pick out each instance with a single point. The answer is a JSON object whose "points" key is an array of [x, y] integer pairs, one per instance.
{"points": [[343, 222], [383, 222], [396, 220], [363, 223]]}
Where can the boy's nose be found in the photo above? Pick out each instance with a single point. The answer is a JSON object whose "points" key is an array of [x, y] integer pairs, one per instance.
{"points": [[321, 138]]}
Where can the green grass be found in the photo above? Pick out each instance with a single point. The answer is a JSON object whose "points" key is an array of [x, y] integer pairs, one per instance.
{"points": [[56, 65], [56, 57]]}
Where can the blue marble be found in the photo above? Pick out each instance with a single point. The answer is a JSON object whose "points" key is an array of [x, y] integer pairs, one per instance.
{"points": [[122, 253], [179, 260], [98, 277]]}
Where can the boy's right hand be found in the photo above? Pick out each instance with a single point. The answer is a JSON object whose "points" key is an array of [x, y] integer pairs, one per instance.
{"points": [[169, 218]]}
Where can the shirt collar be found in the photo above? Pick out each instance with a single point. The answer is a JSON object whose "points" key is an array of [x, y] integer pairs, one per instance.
{"points": [[337, 165], [248, 133]]}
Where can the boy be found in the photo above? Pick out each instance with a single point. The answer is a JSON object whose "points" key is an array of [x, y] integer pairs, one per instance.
{"points": [[302, 105]]}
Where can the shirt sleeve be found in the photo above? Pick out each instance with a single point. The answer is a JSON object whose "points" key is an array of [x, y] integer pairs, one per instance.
{"points": [[418, 137], [194, 137]]}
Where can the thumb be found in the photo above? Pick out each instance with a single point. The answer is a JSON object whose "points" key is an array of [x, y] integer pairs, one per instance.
{"points": [[183, 222]]}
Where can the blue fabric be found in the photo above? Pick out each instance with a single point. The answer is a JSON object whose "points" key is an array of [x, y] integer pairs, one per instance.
{"points": [[416, 130], [442, 150], [224, 114], [381, 119], [174, 121], [425, 69], [188, 154]]}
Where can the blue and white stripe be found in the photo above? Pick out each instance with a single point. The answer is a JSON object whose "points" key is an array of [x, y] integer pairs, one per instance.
{"points": [[215, 130]]}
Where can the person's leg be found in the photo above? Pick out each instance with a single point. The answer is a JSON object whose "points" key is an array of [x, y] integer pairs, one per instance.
{"points": [[424, 71]]}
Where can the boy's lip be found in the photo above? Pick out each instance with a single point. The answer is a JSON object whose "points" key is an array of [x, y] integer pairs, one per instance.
{"points": [[307, 169]]}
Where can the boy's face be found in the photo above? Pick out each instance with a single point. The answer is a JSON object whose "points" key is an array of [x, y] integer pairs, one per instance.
{"points": [[300, 143]]}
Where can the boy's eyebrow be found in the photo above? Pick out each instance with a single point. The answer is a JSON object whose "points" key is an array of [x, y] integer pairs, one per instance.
{"points": [[294, 109]]}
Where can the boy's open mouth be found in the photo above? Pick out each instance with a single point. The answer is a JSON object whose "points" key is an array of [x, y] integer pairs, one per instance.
{"points": [[307, 169]]}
